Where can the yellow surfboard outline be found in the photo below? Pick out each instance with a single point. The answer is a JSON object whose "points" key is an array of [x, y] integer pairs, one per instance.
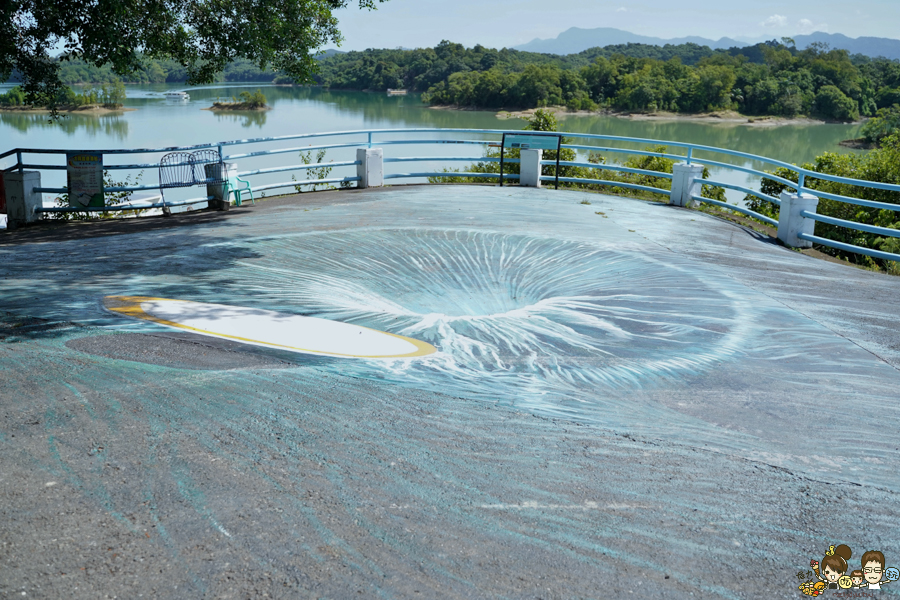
{"points": [[130, 306]]}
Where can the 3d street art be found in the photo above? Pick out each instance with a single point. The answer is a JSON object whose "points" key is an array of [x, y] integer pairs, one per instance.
{"points": [[457, 390]]}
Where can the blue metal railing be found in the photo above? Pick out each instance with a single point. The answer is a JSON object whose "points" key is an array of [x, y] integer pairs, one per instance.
{"points": [[464, 138], [736, 208], [126, 207], [611, 183], [741, 188], [849, 247], [851, 224]]}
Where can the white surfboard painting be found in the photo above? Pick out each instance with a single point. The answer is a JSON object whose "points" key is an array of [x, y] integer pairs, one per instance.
{"points": [[283, 331]]}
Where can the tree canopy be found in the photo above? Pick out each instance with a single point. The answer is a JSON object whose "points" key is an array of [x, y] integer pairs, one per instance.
{"points": [[771, 78], [201, 35]]}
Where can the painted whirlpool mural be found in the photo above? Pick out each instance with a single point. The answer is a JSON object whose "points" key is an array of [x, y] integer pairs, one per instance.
{"points": [[524, 320], [635, 338]]}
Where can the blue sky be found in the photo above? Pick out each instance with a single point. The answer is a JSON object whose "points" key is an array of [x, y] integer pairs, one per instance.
{"points": [[498, 23]]}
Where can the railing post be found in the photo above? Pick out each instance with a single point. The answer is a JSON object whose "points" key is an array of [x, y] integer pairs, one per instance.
{"points": [[530, 168], [370, 169], [224, 172], [687, 182], [21, 199], [791, 222]]}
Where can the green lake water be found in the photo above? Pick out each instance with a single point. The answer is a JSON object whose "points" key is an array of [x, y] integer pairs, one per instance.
{"points": [[160, 123]]}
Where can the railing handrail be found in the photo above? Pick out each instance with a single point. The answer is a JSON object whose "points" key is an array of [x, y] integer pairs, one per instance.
{"points": [[406, 136], [593, 136]]}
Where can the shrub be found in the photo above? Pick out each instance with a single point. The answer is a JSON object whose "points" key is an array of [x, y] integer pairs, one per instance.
{"points": [[886, 122], [879, 165], [14, 97], [254, 100], [319, 172]]}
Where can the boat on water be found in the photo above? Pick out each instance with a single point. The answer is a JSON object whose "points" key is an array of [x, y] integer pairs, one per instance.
{"points": [[177, 96]]}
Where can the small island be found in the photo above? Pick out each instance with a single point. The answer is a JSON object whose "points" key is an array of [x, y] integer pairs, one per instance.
{"points": [[246, 101]]}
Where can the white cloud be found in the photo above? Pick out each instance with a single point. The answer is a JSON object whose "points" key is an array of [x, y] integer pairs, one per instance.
{"points": [[806, 26], [621, 9], [775, 21]]}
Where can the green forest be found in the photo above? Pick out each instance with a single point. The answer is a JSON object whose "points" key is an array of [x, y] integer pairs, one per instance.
{"points": [[773, 78], [108, 95], [76, 71], [768, 79]]}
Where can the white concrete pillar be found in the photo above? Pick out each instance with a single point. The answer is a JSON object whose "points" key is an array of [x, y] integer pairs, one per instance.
{"points": [[370, 169], [21, 200], [687, 181], [530, 168], [217, 190], [791, 222]]}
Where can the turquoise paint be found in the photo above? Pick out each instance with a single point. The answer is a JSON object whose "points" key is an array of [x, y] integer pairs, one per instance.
{"points": [[84, 401], [475, 265], [97, 493], [538, 304]]}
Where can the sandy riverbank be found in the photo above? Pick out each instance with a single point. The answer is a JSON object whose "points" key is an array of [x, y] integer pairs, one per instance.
{"points": [[728, 116]]}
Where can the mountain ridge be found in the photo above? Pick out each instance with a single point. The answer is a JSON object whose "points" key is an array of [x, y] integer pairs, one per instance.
{"points": [[576, 39]]}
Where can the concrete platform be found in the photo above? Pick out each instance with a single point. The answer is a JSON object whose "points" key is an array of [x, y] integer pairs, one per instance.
{"points": [[628, 399]]}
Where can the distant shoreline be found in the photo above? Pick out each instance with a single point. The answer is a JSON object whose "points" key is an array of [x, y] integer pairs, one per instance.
{"points": [[91, 109], [724, 117]]}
